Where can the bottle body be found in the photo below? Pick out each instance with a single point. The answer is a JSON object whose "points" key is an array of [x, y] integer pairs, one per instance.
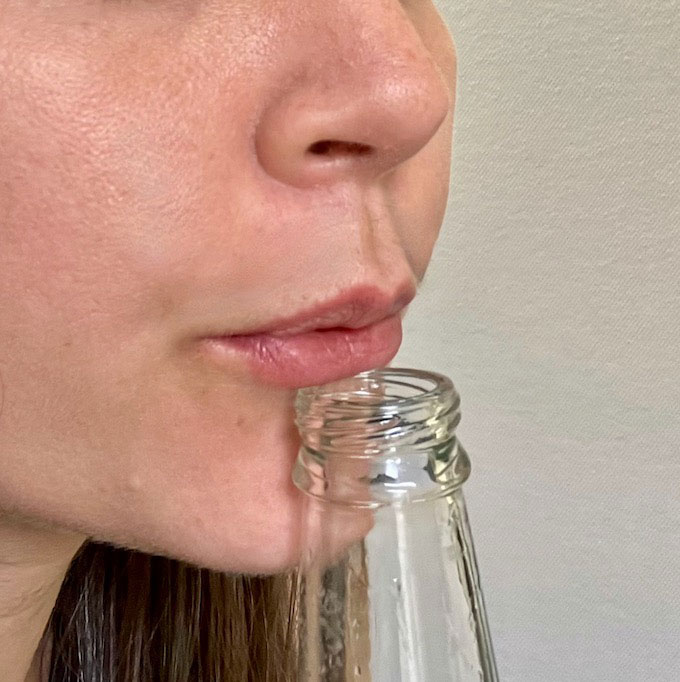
{"points": [[389, 589]]}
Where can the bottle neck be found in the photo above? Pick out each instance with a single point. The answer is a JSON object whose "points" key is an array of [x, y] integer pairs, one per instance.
{"points": [[386, 436]]}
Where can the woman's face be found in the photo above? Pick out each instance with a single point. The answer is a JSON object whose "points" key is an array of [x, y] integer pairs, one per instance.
{"points": [[175, 169]]}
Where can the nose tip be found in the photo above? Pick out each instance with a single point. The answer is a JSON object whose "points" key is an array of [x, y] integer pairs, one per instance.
{"points": [[366, 122]]}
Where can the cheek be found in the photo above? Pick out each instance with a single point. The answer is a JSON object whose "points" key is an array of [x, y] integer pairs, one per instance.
{"points": [[87, 200], [104, 426]]}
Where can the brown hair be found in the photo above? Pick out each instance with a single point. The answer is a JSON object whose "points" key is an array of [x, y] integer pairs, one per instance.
{"points": [[125, 616]]}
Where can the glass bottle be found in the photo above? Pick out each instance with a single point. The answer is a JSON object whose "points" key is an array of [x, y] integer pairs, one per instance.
{"points": [[388, 588]]}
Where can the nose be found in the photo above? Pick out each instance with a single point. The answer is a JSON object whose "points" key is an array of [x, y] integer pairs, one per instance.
{"points": [[363, 97]]}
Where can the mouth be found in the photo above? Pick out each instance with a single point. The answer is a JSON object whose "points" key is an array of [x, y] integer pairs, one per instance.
{"points": [[358, 330], [313, 357]]}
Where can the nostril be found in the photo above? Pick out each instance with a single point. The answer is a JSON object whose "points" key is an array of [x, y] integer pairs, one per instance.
{"points": [[334, 147]]}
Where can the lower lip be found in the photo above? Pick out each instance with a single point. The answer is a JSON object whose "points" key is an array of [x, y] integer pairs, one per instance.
{"points": [[310, 358]]}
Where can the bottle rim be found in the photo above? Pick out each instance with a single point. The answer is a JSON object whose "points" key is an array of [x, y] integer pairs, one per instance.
{"points": [[426, 385], [378, 410]]}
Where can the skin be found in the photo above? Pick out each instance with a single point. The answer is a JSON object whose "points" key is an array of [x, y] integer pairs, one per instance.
{"points": [[157, 185]]}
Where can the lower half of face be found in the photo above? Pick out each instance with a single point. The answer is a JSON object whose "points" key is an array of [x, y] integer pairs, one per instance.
{"points": [[153, 458], [156, 189]]}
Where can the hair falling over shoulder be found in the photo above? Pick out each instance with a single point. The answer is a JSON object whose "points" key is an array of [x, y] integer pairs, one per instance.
{"points": [[125, 616]]}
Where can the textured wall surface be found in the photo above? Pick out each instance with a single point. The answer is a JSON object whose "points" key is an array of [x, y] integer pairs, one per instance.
{"points": [[553, 301]]}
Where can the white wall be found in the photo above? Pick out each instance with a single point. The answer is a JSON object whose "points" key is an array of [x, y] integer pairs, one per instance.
{"points": [[553, 302]]}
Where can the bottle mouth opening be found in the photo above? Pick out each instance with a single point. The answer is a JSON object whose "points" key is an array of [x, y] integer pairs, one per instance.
{"points": [[382, 390], [378, 410]]}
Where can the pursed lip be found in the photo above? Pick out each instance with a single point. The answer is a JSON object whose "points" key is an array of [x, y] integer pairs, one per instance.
{"points": [[312, 357], [357, 330]]}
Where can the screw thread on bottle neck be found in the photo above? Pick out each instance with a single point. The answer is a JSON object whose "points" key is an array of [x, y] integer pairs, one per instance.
{"points": [[381, 437]]}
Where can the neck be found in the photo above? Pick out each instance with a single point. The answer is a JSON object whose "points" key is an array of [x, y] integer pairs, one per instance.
{"points": [[33, 563]]}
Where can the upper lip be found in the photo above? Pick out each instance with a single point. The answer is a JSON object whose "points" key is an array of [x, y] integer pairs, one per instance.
{"points": [[352, 308]]}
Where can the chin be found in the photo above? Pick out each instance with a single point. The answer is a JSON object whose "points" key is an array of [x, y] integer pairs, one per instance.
{"points": [[238, 512], [260, 541]]}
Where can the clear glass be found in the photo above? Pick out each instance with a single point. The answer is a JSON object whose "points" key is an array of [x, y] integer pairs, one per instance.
{"points": [[388, 587]]}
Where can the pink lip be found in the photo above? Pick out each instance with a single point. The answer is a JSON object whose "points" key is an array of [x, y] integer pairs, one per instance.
{"points": [[357, 307], [312, 357]]}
